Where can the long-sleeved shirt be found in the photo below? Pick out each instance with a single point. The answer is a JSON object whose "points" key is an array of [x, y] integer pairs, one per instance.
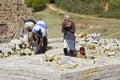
{"points": [[40, 25], [68, 28]]}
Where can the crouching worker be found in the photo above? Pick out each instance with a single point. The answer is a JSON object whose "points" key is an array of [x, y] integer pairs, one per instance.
{"points": [[39, 36], [82, 53], [28, 26], [68, 28]]}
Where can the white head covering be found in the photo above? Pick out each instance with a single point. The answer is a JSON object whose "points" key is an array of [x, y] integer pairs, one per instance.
{"points": [[29, 26], [42, 23], [67, 17]]}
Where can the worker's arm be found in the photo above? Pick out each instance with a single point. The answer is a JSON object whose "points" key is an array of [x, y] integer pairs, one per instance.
{"points": [[73, 27], [62, 30], [31, 38], [41, 42], [43, 30]]}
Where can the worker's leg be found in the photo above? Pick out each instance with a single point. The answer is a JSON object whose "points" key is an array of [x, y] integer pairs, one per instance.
{"points": [[45, 42], [65, 47], [71, 45]]}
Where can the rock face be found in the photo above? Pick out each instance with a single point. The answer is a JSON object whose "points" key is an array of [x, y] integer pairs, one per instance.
{"points": [[12, 13]]}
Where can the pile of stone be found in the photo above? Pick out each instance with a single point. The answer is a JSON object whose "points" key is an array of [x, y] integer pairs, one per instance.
{"points": [[53, 65], [96, 45], [12, 13], [61, 62], [37, 68], [16, 46]]}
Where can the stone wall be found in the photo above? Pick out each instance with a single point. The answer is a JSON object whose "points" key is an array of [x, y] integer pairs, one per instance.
{"points": [[12, 13], [3, 29]]}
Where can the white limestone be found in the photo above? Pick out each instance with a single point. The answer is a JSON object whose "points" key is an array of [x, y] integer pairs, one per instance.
{"points": [[35, 67]]}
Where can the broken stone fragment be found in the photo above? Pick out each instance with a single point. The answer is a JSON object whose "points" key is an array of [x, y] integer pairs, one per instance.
{"points": [[27, 50], [52, 58], [111, 54], [18, 53], [66, 66], [1, 55]]}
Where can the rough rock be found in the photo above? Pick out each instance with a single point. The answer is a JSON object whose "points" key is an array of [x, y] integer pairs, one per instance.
{"points": [[61, 67], [12, 13]]}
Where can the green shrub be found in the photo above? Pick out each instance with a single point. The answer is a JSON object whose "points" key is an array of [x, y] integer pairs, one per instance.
{"points": [[91, 7], [36, 4], [28, 3], [80, 6], [114, 10]]}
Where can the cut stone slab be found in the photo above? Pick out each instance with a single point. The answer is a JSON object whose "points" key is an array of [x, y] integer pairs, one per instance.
{"points": [[34, 68]]}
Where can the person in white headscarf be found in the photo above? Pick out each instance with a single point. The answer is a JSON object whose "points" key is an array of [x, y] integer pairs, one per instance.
{"points": [[39, 35], [68, 28], [28, 26]]}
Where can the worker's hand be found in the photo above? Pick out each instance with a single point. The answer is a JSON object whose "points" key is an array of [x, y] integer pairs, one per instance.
{"points": [[72, 31], [38, 47], [29, 40], [29, 46]]}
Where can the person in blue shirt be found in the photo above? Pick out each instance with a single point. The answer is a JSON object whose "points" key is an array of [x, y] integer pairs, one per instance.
{"points": [[39, 36]]}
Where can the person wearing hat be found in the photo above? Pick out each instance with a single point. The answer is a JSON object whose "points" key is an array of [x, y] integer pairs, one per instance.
{"points": [[68, 28], [39, 36]]}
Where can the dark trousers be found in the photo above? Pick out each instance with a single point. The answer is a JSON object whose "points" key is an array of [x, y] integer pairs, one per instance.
{"points": [[45, 42], [43, 49]]}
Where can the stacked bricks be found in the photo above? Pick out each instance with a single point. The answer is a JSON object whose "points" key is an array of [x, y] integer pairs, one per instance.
{"points": [[12, 13]]}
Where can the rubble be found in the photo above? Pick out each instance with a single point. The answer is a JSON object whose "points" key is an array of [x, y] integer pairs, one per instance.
{"points": [[36, 68], [96, 45], [16, 47], [53, 65]]}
